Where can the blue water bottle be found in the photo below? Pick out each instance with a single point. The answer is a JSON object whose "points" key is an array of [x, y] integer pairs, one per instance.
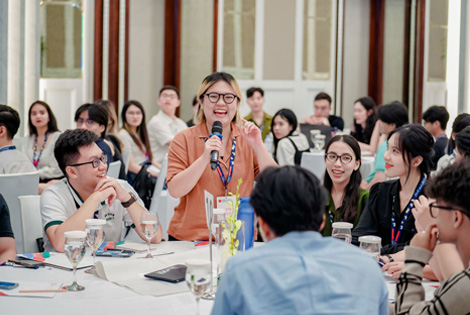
{"points": [[246, 214]]}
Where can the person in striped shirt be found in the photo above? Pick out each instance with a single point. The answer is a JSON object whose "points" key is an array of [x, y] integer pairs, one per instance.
{"points": [[452, 225]]}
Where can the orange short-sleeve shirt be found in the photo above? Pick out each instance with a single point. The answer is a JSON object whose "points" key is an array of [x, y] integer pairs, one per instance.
{"points": [[189, 221]]}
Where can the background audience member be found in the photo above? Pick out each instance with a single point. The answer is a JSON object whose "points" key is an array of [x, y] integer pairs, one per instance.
{"points": [[190, 122], [462, 145], [365, 118], [321, 116], [391, 116], [112, 128], [388, 210], [342, 180], [7, 242], [460, 122], [95, 118], [241, 151], [255, 99], [435, 121], [163, 127], [288, 143], [452, 212], [298, 271], [39, 146], [86, 193], [135, 139], [11, 160]]}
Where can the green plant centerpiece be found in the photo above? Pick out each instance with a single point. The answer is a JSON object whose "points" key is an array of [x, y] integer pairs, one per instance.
{"points": [[230, 228]]}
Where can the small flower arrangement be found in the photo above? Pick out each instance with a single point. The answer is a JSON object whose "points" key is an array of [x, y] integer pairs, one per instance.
{"points": [[230, 229]]}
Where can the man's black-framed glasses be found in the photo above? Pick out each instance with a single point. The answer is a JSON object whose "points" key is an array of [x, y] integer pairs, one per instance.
{"points": [[95, 163], [332, 157], [434, 209], [214, 97], [88, 122]]}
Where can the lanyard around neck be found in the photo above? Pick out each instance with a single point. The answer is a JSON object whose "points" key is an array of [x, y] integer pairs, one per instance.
{"points": [[396, 237], [11, 147], [36, 160], [224, 180]]}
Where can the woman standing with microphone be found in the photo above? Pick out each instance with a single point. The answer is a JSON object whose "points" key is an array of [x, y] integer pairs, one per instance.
{"points": [[242, 154]]}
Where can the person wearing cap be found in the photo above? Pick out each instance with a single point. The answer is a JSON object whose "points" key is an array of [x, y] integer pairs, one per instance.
{"points": [[86, 193], [298, 271]]}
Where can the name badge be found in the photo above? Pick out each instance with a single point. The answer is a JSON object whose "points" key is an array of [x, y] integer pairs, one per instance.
{"points": [[226, 203]]}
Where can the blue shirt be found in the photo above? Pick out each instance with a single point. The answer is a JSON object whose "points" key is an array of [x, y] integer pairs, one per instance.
{"points": [[302, 273], [379, 162]]}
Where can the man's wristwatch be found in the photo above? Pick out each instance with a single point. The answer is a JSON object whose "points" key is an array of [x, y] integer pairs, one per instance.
{"points": [[129, 202], [390, 258]]}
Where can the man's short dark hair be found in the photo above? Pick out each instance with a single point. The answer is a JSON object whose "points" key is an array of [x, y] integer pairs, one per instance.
{"points": [[9, 118], [394, 113], [66, 150], [323, 96], [169, 87], [252, 90], [289, 199], [437, 113], [452, 185]]}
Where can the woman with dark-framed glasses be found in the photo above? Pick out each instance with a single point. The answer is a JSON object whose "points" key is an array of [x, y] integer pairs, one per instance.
{"points": [[388, 210], [241, 155], [342, 180]]}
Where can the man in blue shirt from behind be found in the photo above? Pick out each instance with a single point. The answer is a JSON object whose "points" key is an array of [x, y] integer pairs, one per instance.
{"points": [[298, 271]]}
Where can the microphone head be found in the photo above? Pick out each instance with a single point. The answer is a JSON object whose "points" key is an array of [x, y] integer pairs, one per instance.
{"points": [[216, 127]]}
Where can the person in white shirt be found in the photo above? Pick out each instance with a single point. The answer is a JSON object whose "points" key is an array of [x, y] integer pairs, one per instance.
{"points": [[288, 143], [87, 193], [165, 125], [11, 160]]}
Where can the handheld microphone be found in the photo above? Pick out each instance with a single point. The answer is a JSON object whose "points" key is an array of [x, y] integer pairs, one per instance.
{"points": [[216, 130]]}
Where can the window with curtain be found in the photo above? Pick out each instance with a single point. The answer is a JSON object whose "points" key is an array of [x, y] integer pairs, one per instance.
{"points": [[239, 38], [317, 39], [61, 38]]}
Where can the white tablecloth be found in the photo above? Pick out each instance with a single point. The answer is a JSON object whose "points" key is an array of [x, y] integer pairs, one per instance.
{"points": [[104, 297]]}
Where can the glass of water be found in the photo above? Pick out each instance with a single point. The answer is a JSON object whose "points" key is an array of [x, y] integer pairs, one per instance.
{"points": [[371, 244], [94, 237], [74, 249], [313, 134], [319, 142], [149, 227], [342, 231], [198, 276]]}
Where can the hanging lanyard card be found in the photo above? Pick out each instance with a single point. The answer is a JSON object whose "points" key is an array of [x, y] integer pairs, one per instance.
{"points": [[226, 203]]}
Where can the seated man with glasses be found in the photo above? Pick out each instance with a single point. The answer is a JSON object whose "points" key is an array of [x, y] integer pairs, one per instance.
{"points": [[163, 127], [86, 193], [298, 271], [451, 211]]}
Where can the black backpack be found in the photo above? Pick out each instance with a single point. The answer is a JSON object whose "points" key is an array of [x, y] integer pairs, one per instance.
{"points": [[298, 154], [144, 185]]}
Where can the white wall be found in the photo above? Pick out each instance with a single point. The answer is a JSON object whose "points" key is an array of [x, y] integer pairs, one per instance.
{"points": [[356, 55], [146, 52]]}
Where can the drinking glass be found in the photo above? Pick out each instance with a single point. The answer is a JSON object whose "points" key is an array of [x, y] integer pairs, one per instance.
{"points": [[319, 142], [94, 237], [74, 249], [313, 134], [198, 275], [372, 244], [149, 227], [342, 231]]}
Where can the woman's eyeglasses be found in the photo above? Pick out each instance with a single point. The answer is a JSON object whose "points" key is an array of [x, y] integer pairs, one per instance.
{"points": [[214, 97], [95, 163], [345, 158], [434, 209]]}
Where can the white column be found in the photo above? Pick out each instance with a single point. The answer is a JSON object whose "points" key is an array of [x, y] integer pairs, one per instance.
{"points": [[31, 55], [87, 50], [453, 50], [14, 49]]}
